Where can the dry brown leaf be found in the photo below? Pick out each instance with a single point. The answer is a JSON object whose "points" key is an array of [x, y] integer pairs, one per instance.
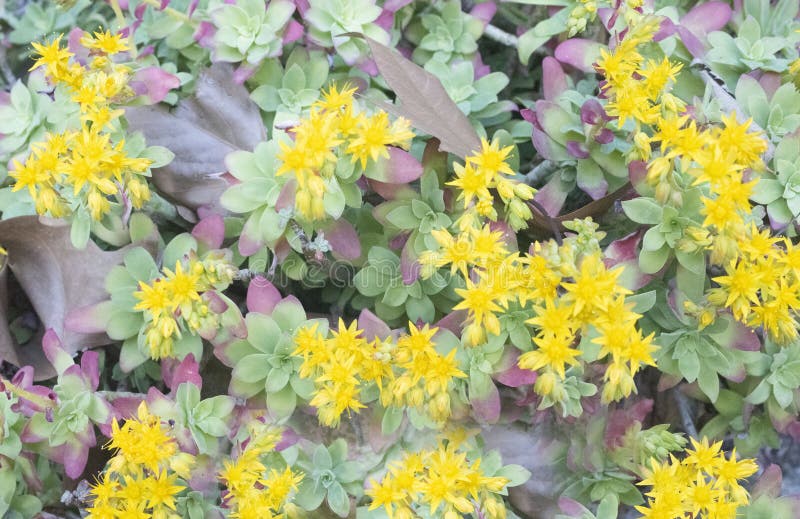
{"points": [[424, 101], [57, 279], [218, 119]]}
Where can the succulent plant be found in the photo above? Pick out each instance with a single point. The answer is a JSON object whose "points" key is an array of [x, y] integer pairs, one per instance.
{"points": [[263, 364], [66, 427], [331, 20], [285, 92], [780, 191], [475, 97], [330, 477], [417, 216], [195, 421], [731, 56], [41, 19], [572, 131], [778, 114], [445, 34], [29, 113], [174, 31], [249, 32], [256, 195], [780, 368], [397, 290], [127, 324]]}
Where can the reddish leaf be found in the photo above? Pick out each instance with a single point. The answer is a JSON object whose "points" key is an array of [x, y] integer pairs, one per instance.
{"points": [[424, 101], [580, 53], [153, 83], [554, 81], [262, 296], [373, 326], [210, 231], [56, 278], [217, 120], [343, 238]]}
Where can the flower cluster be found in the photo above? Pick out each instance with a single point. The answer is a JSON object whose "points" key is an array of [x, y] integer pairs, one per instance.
{"points": [[336, 128], [484, 170], [175, 301], [760, 286], [703, 484], [78, 170], [145, 474], [252, 491], [408, 371], [568, 289], [441, 481]]}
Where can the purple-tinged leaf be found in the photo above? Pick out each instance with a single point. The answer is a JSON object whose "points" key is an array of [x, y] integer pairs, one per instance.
{"points": [[769, 483], [249, 245], [592, 112], [391, 191], [510, 373], [262, 296], [55, 353], [210, 231], [74, 456], [176, 373], [620, 420], [486, 408], [577, 150], [204, 35], [552, 195], [770, 82], [55, 277], [693, 44], [604, 136], [90, 366], [572, 508], [737, 335], [553, 120], [218, 119], [293, 32], [580, 53], [637, 172], [484, 12], [509, 236], [153, 83], [89, 318], [400, 168], [80, 53], [424, 100], [707, 17], [547, 147], [373, 326], [288, 438], [665, 30], [554, 81], [343, 239], [409, 266], [453, 322]]}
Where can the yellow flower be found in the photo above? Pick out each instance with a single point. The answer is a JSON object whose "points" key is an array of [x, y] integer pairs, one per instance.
{"points": [[105, 42], [491, 159], [553, 352], [373, 134]]}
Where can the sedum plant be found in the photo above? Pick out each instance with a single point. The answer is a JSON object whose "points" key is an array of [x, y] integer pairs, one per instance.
{"points": [[249, 32], [780, 191], [331, 21], [446, 34]]}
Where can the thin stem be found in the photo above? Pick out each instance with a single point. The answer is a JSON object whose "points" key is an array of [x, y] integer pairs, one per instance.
{"points": [[499, 35]]}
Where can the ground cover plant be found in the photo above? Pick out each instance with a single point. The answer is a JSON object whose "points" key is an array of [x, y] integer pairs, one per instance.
{"points": [[399, 259]]}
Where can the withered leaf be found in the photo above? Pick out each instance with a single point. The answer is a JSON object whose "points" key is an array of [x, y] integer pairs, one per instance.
{"points": [[424, 101], [218, 119], [57, 279]]}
